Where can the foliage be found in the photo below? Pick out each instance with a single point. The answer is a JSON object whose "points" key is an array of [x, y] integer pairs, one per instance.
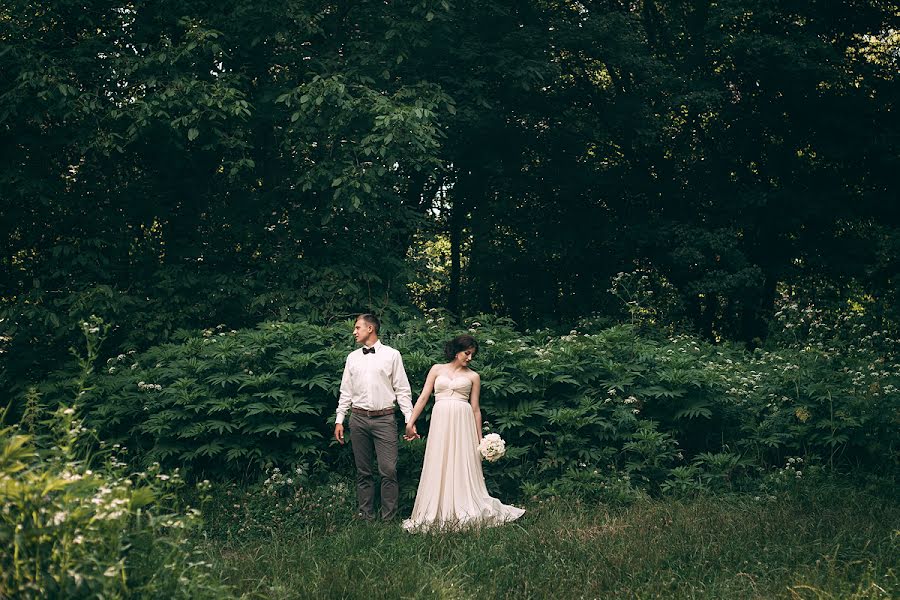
{"points": [[667, 410], [225, 399], [84, 529], [171, 166]]}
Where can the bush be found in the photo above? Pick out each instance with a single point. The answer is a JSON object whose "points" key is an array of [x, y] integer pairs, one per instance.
{"points": [[75, 531], [670, 410]]}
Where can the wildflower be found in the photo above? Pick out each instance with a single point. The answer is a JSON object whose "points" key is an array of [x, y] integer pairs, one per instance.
{"points": [[78, 577]]}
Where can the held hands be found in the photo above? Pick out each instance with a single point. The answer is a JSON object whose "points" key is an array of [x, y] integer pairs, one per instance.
{"points": [[411, 433]]}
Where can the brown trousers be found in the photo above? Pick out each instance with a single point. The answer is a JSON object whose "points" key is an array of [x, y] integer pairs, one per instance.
{"points": [[378, 435]]}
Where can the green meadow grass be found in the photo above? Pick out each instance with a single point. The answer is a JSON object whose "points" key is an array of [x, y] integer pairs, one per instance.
{"points": [[825, 542]]}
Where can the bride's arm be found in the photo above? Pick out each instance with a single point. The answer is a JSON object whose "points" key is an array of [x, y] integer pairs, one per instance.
{"points": [[476, 408], [423, 400]]}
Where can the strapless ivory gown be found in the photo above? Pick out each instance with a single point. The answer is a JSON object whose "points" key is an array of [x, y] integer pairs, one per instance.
{"points": [[452, 493]]}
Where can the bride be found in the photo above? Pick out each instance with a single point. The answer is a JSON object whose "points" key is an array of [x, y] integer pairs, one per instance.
{"points": [[452, 493]]}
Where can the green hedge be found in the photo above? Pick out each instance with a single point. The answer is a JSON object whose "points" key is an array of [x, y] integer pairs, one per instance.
{"points": [[604, 400]]}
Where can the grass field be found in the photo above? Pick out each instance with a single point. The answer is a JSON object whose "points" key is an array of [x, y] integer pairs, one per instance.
{"points": [[818, 542]]}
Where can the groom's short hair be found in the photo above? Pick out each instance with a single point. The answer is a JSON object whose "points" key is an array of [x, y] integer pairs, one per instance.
{"points": [[371, 320]]}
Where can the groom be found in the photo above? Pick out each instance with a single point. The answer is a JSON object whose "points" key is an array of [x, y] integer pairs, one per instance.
{"points": [[373, 379]]}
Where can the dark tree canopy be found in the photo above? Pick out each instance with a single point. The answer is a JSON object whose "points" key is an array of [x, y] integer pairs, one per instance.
{"points": [[171, 165]]}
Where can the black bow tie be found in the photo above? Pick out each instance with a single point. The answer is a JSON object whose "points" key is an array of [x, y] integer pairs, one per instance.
{"points": [[368, 350]]}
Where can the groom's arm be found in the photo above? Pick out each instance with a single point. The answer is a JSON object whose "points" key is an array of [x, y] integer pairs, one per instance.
{"points": [[343, 403], [401, 388]]}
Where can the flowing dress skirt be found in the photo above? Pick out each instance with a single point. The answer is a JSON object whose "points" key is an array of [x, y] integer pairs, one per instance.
{"points": [[452, 493]]}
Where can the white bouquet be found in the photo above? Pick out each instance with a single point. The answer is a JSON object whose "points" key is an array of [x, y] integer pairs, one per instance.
{"points": [[492, 447]]}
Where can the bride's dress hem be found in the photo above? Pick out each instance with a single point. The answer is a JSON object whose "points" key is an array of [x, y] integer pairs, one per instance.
{"points": [[464, 524]]}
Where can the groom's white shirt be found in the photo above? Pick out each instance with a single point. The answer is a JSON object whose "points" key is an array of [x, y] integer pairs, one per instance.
{"points": [[374, 381]]}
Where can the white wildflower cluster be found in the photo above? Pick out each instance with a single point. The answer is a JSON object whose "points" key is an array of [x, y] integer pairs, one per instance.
{"points": [[572, 336], [792, 467], [146, 387], [70, 477], [173, 478], [214, 330], [634, 402], [114, 363], [821, 329], [281, 484], [492, 447], [115, 463]]}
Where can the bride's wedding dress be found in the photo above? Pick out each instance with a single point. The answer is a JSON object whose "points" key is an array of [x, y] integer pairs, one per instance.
{"points": [[452, 493]]}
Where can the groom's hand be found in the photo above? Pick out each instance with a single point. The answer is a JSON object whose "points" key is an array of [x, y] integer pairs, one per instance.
{"points": [[339, 433], [411, 433]]}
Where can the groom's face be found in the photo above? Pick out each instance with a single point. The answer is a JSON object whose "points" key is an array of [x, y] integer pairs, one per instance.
{"points": [[362, 330]]}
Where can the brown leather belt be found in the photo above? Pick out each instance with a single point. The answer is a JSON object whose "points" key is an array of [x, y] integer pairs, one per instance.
{"points": [[372, 413]]}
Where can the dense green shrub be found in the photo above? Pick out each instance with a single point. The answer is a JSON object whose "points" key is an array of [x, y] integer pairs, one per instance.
{"points": [[72, 529], [668, 410]]}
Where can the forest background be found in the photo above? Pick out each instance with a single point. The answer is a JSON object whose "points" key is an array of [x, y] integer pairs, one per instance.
{"points": [[673, 226]]}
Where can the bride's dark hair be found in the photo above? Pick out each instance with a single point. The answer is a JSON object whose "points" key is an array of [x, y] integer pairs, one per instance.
{"points": [[459, 344]]}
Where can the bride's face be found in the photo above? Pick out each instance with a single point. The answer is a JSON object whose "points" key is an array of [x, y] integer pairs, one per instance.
{"points": [[465, 357]]}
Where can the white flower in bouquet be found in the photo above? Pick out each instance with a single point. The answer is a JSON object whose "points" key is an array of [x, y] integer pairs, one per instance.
{"points": [[492, 447]]}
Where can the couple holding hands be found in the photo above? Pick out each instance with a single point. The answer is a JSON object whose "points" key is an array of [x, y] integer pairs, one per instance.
{"points": [[452, 493]]}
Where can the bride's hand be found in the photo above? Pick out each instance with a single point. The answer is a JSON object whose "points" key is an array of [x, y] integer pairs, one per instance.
{"points": [[411, 433]]}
